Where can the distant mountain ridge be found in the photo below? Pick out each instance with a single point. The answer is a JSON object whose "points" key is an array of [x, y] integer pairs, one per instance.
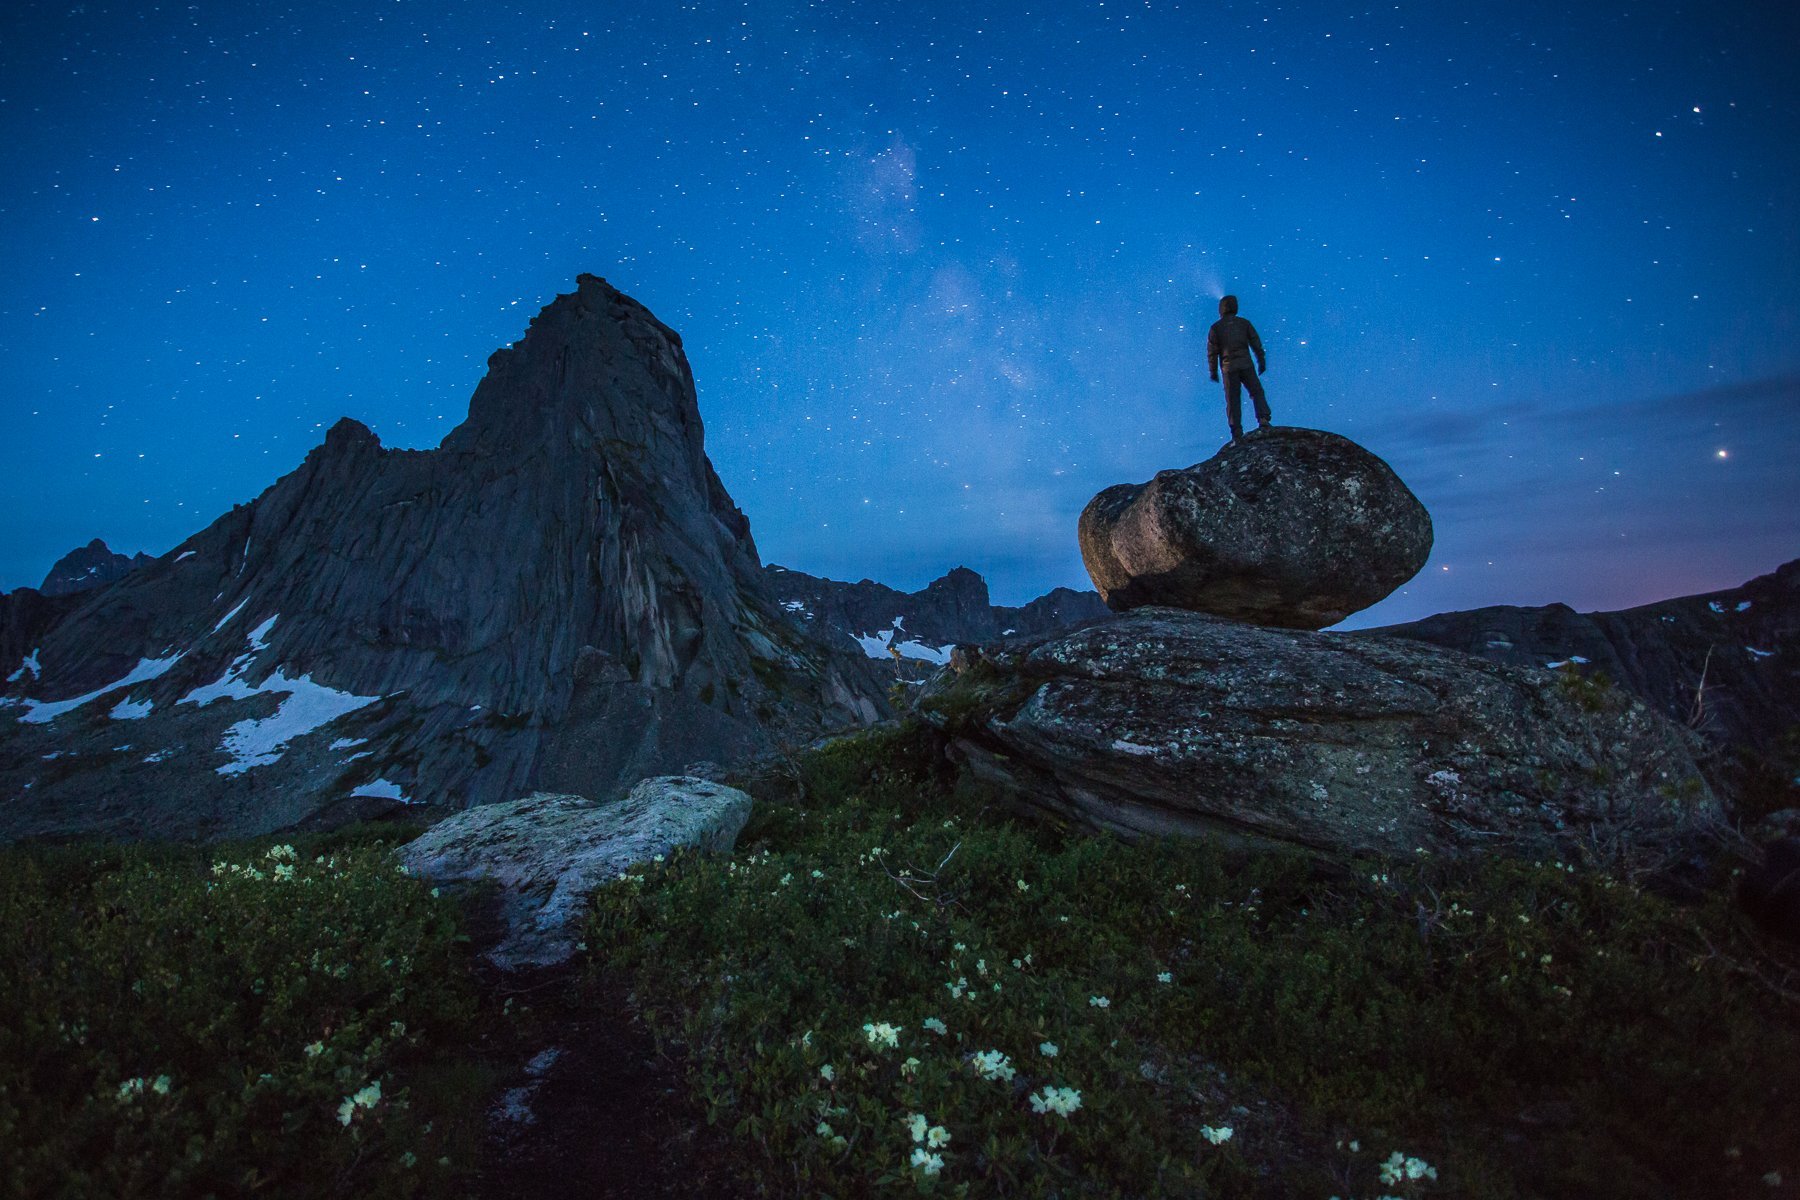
{"points": [[89, 566], [1726, 663], [561, 595], [923, 626]]}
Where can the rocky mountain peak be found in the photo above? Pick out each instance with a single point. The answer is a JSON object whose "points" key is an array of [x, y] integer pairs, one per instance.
{"points": [[594, 369], [561, 595], [87, 567]]}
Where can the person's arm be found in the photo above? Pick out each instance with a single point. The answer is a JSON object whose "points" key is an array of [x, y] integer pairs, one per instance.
{"points": [[1262, 361], [1212, 353]]}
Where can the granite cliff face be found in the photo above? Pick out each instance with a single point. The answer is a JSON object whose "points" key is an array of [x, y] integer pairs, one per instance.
{"points": [[88, 567], [560, 596], [922, 626]]}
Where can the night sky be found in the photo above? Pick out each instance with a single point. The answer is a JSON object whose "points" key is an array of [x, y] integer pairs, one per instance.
{"points": [[943, 270]]}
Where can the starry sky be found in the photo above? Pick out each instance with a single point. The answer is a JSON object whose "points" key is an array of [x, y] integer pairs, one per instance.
{"points": [[943, 270]]}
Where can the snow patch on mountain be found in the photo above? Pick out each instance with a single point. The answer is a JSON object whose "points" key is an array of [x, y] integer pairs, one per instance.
{"points": [[30, 665], [41, 711]]}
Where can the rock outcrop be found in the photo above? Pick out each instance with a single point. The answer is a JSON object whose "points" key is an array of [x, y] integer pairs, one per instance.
{"points": [[954, 610], [90, 566], [560, 597], [1172, 722], [1727, 663], [1289, 527], [547, 853]]}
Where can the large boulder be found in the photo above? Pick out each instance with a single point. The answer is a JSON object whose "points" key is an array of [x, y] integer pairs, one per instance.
{"points": [[1288, 527], [548, 852], [1172, 722]]}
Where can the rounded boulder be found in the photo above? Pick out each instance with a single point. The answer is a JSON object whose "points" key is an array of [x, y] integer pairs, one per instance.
{"points": [[1294, 528]]}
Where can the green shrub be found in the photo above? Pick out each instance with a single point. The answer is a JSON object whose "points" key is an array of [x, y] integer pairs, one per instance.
{"points": [[173, 1024], [1506, 1030]]}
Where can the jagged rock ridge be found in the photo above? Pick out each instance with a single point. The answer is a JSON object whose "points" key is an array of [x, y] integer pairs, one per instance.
{"points": [[561, 596], [953, 610], [89, 566]]}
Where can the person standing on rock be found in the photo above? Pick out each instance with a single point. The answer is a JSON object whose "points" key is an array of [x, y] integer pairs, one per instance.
{"points": [[1229, 344]]}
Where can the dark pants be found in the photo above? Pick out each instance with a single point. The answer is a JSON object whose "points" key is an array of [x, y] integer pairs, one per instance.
{"points": [[1234, 406]]}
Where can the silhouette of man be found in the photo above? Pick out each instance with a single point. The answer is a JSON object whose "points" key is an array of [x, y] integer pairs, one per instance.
{"points": [[1229, 345]]}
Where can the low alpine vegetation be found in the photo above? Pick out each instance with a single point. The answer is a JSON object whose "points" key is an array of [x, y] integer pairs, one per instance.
{"points": [[178, 1022], [895, 987]]}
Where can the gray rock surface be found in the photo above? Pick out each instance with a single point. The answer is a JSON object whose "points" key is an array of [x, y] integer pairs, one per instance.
{"points": [[1289, 527], [1726, 662], [1172, 722], [90, 566], [560, 597], [546, 853]]}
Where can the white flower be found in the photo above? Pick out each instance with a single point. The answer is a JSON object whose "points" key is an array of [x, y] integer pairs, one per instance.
{"points": [[1023, 886], [1099, 1002], [787, 879], [316, 1049], [882, 1034], [346, 1111], [1164, 977], [284, 873], [1061, 1101], [818, 874], [917, 1124], [991, 1064], [131, 1089], [937, 1137], [909, 1068], [369, 1096], [826, 1073], [161, 1086], [1217, 1137], [1398, 1166], [932, 1163], [936, 1026], [1047, 1049]]}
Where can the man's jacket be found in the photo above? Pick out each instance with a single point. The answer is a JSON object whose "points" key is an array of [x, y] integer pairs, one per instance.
{"points": [[1231, 341]]}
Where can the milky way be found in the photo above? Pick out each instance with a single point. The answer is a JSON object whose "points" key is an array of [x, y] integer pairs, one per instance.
{"points": [[943, 270]]}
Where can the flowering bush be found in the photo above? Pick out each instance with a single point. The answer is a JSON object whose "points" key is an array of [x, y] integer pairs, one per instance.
{"points": [[247, 1022], [1171, 1019]]}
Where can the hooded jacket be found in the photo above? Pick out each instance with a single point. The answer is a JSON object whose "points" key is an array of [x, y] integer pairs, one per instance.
{"points": [[1231, 341]]}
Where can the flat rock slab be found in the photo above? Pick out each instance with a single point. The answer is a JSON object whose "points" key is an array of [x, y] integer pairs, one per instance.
{"points": [[547, 852], [1172, 722], [1289, 527]]}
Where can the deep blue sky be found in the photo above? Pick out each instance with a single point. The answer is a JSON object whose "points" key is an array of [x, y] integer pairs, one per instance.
{"points": [[943, 270]]}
